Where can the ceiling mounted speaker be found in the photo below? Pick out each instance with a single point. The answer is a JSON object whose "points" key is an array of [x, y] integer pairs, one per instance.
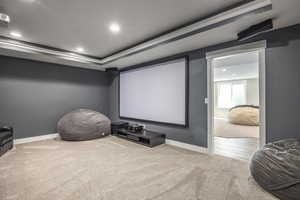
{"points": [[112, 69], [4, 19], [255, 30]]}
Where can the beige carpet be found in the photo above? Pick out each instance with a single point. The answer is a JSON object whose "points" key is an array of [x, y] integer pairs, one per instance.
{"points": [[222, 128], [115, 169]]}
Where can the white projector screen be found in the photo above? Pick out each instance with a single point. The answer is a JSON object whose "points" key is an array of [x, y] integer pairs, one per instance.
{"points": [[155, 93]]}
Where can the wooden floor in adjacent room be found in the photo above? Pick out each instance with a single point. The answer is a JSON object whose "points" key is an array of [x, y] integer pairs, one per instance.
{"points": [[239, 148]]}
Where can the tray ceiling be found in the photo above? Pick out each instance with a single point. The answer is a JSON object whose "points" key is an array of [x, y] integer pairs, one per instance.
{"points": [[72, 23]]}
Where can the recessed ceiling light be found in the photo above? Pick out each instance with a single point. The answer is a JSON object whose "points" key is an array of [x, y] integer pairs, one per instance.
{"points": [[114, 27], [4, 18], [80, 49], [224, 70], [16, 34]]}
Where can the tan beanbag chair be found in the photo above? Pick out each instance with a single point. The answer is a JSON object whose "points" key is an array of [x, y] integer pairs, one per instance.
{"points": [[244, 115]]}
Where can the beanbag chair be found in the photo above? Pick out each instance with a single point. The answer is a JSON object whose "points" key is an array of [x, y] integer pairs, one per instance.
{"points": [[83, 124], [276, 168], [244, 115]]}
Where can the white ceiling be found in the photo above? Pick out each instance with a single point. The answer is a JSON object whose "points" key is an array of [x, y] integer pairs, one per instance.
{"points": [[71, 23], [237, 59], [241, 66], [66, 24], [285, 13]]}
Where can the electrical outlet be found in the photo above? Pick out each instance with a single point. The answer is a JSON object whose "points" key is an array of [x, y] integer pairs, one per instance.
{"points": [[206, 100]]}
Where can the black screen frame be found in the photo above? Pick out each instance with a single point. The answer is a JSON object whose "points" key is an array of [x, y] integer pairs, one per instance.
{"points": [[186, 124]]}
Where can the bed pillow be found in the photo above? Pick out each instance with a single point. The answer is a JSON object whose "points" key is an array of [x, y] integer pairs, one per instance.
{"points": [[244, 115]]}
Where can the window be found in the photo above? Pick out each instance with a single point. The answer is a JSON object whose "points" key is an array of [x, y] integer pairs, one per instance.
{"points": [[231, 94]]}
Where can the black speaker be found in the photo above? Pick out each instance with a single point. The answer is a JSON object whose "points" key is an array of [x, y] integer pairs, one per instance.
{"points": [[255, 30], [135, 128], [112, 69]]}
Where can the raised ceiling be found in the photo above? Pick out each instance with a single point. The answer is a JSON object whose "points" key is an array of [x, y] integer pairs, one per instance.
{"points": [[71, 23]]}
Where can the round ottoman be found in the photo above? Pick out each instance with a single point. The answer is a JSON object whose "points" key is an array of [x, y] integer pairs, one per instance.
{"points": [[83, 124], [247, 115], [276, 168]]}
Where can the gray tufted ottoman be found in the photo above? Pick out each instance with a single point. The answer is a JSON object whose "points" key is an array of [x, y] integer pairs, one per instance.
{"points": [[276, 168], [83, 124]]}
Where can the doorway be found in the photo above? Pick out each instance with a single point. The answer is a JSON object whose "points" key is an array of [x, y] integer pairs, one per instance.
{"points": [[236, 100]]}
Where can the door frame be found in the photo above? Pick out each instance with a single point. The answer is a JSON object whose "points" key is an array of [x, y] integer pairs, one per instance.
{"points": [[259, 47]]}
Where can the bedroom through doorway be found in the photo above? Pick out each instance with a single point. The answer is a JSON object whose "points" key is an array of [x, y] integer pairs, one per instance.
{"points": [[236, 105], [236, 102]]}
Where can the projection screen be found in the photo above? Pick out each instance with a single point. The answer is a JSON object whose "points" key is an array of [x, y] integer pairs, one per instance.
{"points": [[156, 93]]}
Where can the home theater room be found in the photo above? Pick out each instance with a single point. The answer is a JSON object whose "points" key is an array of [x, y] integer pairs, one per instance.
{"points": [[149, 100]]}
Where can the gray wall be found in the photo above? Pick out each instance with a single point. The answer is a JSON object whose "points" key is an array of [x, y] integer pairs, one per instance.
{"points": [[34, 95], [282, 89], [283, 83]]}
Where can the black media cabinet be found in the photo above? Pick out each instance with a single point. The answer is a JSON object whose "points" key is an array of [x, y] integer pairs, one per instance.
{"points": [[6, 139], [145, 137]]}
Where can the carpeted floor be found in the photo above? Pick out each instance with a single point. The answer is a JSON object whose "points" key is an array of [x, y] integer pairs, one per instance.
{"points": [[223, 128], [115, 169]]}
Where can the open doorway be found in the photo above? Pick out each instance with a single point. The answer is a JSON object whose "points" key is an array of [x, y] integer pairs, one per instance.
{"points": [[236, 102]]}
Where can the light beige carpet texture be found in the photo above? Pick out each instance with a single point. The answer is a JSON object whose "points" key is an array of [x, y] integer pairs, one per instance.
{"points": [[223, 128], [115, 169]]}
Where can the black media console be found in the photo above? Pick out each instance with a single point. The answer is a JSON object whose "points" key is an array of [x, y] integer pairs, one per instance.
{"points": [[145, 137], [6, 139]]}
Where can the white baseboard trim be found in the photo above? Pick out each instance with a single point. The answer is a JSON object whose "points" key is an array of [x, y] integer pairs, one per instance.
{"points": [[187, 146], [36, 138], [168, 141]]}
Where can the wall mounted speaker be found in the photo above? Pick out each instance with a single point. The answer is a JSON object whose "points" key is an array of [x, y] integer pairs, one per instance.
{"points": [[255, 30]]}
